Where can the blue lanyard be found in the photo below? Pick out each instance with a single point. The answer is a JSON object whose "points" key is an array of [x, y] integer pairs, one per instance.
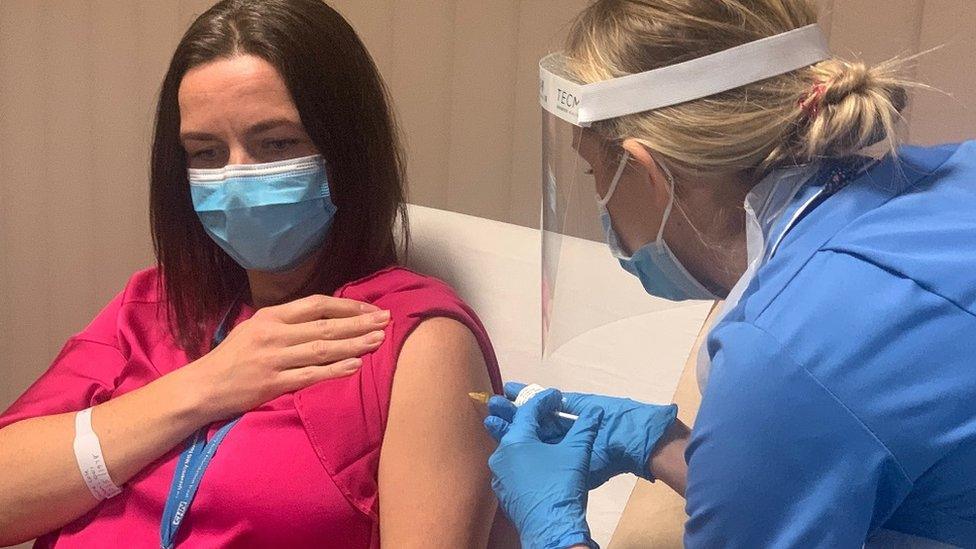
{"points": [[193, 462]]}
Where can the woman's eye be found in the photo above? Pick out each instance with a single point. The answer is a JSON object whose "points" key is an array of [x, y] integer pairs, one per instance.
{"points": [[210, 157], [280, 145]]}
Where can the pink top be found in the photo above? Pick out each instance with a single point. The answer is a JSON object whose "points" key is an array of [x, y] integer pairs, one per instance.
{"points": [[299, 471]]}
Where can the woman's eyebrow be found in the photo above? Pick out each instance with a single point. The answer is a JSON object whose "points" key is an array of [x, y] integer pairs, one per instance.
{"points": [[260, 127], [271, 124], [198, 136]]}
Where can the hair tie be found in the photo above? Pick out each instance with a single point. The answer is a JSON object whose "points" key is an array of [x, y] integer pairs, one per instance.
{"points": [[813, 100]]}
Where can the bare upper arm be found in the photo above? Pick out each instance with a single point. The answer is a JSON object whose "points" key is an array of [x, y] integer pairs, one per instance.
{"points": [[434, 483]]}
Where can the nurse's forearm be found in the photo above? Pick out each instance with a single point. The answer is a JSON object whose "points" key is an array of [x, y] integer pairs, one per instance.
{"points": [[41, 488], [668, 460]]}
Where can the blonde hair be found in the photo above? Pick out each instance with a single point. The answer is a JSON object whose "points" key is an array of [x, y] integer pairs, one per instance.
{"points": [[832, 109]]}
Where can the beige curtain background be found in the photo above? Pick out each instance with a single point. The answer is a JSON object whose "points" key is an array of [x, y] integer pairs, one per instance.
{"points": [[78, 80]]}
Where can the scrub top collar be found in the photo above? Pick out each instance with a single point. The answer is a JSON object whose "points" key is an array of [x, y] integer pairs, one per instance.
{"points": [[773, 207]]}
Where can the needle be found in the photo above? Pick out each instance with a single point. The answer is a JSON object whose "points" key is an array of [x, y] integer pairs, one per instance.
{"points": [[483, 397]]}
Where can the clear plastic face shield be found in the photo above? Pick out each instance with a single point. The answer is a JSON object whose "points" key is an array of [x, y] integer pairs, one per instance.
{"points": [[593, 312]]}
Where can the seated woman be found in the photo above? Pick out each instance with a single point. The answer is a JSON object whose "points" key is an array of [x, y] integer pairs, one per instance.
{"points": [[276, 179]]}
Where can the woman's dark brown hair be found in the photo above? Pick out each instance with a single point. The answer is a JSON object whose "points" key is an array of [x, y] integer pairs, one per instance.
{"points": [[345, 109]]}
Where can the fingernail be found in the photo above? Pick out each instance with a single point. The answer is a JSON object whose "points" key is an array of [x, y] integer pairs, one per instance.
{"points": [[375, 337], [381, 316], [367, 308], [353, 364]]}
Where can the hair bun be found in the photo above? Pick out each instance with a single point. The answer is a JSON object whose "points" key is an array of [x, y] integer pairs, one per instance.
{"points": [[849, 79], [860, 107]]}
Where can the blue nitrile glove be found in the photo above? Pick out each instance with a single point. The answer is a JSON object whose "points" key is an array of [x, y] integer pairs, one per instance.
{"points": [[626, 440], [540, 485]]}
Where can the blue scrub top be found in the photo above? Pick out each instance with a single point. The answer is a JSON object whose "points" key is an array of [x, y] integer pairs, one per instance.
{"points": [[842, 396]]}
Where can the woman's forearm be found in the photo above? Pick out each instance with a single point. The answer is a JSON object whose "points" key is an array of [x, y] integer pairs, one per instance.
{"points": [[668, 460], [41, 487]]}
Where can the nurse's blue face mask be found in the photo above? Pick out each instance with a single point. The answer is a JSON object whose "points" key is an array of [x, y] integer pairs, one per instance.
{"points": [[654, 264], [268, 217]]}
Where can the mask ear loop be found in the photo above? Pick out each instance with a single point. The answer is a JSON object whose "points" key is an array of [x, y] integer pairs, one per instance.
{"points": [[616, 180], [667, 210], [673, 202]]}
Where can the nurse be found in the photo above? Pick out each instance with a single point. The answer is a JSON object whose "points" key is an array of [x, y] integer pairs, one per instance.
{"points": [[735, 158]]}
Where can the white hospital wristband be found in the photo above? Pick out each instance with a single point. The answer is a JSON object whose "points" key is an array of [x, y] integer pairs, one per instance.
{"points": [[88, 452]]}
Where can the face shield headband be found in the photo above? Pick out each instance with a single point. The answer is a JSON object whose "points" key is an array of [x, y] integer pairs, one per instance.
{"points": [[583, 104]]}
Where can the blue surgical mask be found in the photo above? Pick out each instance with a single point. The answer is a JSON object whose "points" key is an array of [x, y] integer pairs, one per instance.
{"points": [[655, 265], [268, 217]]}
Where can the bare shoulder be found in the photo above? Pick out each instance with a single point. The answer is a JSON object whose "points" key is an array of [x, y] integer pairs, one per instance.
{"points": [[445, 349], [441, 333]]}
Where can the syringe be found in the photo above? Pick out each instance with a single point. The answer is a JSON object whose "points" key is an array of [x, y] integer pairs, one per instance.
{"points": [[524, 395]]}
